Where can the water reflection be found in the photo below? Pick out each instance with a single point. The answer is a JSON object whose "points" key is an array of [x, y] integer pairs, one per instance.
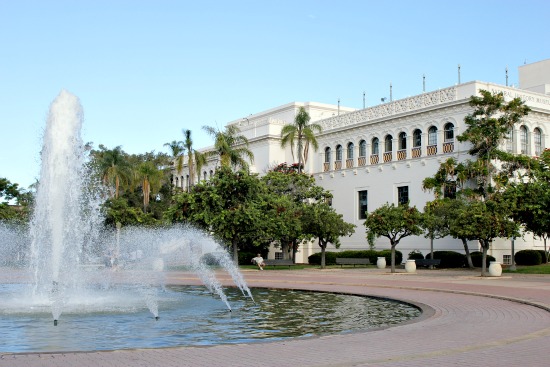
{"points": [[191, 316]]}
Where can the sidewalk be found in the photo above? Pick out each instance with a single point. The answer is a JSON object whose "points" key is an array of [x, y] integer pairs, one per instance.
{"points": [[467, 321]]}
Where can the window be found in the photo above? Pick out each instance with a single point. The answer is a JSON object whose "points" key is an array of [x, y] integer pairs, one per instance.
{"points": [[450, 190], [510, 141], [211, 174], [538, 141], [362, 148], [363, 204], [204, 174], [338, 152], [432, 135], [388, 143], [402, 141], [182, 183], [449, 132], [327, 155], [375, 146], [507, 259], [278, 256], [417, 138], [523, 139], [403, 195], [350, 150]]}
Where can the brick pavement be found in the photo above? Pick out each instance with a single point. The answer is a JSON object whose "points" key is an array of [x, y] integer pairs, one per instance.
{"points": [[468, 321]]}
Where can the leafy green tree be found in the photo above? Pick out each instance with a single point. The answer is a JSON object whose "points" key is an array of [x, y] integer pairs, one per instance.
{"points": [[230, 147], [394, 223], [11, 192], [322, 222], [301, 133], [188, 145], [150, 178], [229, 205], [530, 197], [119, 211]]}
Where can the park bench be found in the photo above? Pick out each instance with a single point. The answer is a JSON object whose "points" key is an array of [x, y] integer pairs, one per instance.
{"points": [[427, 262], [279, 262], [351, 261]]}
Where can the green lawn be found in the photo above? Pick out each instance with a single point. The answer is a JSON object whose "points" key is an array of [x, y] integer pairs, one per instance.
{"points": [[533, 269]]}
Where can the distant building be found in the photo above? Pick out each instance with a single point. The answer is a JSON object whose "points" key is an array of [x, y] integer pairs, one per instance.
{"points": [[382, 153]]}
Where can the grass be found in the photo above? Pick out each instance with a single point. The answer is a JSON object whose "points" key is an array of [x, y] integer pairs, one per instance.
{"points": [[531, 269]]}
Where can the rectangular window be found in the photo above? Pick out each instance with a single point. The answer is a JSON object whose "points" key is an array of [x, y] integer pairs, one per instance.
{"points": [[278, 256], [402, 195], [363, 201], [507, 259]]}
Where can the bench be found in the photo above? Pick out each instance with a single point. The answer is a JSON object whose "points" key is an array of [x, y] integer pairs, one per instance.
{"points": [[351, 261], [279, 262], [427, 262]]}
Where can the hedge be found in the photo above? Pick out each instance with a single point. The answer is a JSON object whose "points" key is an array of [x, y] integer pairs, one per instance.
{"points": [[449, 259], [477, 258], [372, 255], [528, 257]]}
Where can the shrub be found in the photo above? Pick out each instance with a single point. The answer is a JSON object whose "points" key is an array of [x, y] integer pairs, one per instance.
{"points": [[449, 259], [330, 258], [528, 257], [245, 257], [415, 254], [542, 255], [387, 255], [477, 258]]}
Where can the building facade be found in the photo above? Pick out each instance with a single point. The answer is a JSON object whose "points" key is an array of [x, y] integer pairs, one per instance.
{"points": [[381, 154]]}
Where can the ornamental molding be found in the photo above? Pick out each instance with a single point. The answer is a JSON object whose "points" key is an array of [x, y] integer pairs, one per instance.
{"points": [[401, 106]]}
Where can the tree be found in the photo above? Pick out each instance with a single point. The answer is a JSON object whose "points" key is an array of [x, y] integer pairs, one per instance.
{"points": [[151, 181], [530, 197], [302, 133], [177, 150], [188, 145], [114, 167], [11, 191], [394, 223], [322, 222], [230, 147], [229, 205]]}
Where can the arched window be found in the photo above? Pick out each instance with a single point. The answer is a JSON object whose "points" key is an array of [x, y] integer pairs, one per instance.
{"points": [[523, 139], [449, 130], [188, 183], [177, 182], [182, 183], [211, 174], [417, 138], [432, 135], [338, 152], [204, 175], [350, 150], [510, 140], [327, 155], [374, 148], [362, 148], [388, 143], [402, 141], [537, 136]]}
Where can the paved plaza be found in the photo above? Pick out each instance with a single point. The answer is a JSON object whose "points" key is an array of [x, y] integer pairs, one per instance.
{"points": [[467, 321]]}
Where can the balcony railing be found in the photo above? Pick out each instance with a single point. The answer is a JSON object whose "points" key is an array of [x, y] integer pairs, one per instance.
{"points": [[349, 163], [401, 154], [326, 166], [362, 161], [416, 152], [432, 149], [448, 147], [338, 165], [374, 159], [387, 157]]}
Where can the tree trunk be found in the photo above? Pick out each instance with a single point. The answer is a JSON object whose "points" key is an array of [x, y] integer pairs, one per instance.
{"points": [[322, 254], [467, 251], [484, 248], [294, 250], [284, 249], [393, 257], [545, 251]]}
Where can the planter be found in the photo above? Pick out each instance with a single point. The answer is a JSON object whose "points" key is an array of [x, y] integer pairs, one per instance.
{"points": [[410, 266], [495, 269], [381, 263]]}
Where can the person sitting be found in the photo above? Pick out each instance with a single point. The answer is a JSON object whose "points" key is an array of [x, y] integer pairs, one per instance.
{"points": [[259, 260]]}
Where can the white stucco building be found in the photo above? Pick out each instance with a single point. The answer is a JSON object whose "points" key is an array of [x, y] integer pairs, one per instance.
{"points": [[381, 154]]}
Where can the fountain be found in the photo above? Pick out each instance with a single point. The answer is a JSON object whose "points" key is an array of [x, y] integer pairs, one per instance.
{"points": [[67, 240], [95, 283]]}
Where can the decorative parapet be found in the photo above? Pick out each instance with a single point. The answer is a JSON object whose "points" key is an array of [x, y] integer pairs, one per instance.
{"points": [[391, 108]]}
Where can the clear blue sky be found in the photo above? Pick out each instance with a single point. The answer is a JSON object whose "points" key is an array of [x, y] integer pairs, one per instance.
{"points": [[144, 70]]}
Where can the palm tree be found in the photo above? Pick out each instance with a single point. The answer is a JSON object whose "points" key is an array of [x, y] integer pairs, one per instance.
{"points": [[200, 161], [303, 133], [230, 146], [151, 180], [177, 150], [114, 166], [188, 144]]}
